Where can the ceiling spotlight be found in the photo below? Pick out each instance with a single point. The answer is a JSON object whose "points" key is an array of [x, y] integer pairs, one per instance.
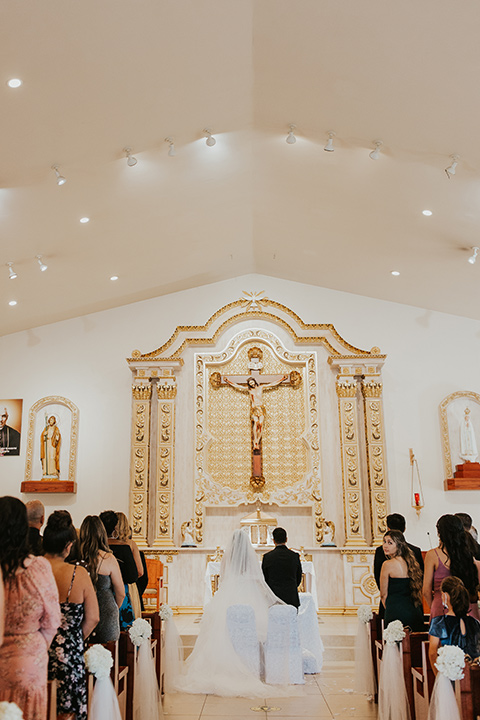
{"points": [[473, 257], [210, 140], [12, 303], [84, 220], [43, 267], [375, 154], [60, 179], [450, 170], [131, 161], [291, 139], [427, 212], [114, 277], [14, 83], [171, 149], [11, 272], [329, 146], [395, 273]]}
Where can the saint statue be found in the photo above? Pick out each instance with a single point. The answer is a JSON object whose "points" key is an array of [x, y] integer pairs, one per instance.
{"points": [[50, 441], [257, 410], [187, 534], [468, 444]]}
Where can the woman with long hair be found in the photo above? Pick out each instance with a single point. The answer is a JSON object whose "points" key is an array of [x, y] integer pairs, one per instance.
{"points": [[451, 557], [105, 575], [401, 582], [128, 568], [124, 535], [455, 627], [32, 614], [79, 608]]}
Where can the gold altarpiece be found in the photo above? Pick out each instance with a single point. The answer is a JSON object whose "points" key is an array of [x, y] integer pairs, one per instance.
{"points": [[177, 375]]}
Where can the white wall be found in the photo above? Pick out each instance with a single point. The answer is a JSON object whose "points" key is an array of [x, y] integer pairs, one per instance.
{"points": [[429, 356]]}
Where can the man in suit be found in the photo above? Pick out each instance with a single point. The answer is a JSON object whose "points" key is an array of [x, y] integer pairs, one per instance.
{"points": [[282, 569], [36, 518], [395, 521]]}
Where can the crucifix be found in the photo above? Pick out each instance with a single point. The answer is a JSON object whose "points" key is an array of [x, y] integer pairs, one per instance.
{"points": [[255, 383]]}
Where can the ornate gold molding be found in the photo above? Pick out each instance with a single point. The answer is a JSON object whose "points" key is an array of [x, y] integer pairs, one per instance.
{"points": [[141, 391], [139, 466], [72, 457], [447, 455], [165, 468], [167, 390], [375, 447], [346, 388]]}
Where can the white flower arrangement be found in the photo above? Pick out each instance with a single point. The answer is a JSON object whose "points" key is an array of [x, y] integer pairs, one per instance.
{"points": [[165, 612], [98, 661], [394, 632], [10, 711], [364, 613], [450, 662], [140, 631]]}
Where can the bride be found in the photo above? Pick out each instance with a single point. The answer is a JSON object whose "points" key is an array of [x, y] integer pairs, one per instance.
{"points": [[214, 667]]}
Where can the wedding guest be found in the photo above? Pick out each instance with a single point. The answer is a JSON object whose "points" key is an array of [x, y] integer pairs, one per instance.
{"points": [[455, 627], [36, 518], [128, 568], [79, 608], [124, 534], [32, 614], [2, 608], [401, 583], [282, 569], [451, 557], [105, 575], [472, 544]]}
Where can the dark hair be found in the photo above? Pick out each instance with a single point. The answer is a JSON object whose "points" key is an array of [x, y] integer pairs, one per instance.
{"points": [[395, 521], [453, 542], [14, 547], [459, 597], [59, 531], [93, 539], [109, 519], [279, 535], [413, 568], [466, 520]]}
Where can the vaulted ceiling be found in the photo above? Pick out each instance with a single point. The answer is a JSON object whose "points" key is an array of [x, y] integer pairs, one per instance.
{"points": [[101, 76]]}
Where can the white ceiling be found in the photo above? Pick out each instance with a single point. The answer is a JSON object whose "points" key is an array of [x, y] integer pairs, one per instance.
{"points": [[99, 76]]}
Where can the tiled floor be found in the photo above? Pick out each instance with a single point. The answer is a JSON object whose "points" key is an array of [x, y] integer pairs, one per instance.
{"points": [[328, 695]]}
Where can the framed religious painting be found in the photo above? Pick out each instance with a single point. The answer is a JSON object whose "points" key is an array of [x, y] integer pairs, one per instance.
{"points": [[10, 427], [50, 464]]}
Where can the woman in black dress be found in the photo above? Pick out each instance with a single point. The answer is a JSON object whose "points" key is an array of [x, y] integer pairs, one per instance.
{"points": [[401, 583]]}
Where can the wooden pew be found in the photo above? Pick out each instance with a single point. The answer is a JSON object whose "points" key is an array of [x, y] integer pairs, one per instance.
{"points": [[411, 650], [423, 681], [375, 630], [118, 674], [128, 657], [470, 691]]}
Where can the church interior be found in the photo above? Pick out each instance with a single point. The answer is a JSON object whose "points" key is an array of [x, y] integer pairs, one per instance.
{"points": [[200, 192]]}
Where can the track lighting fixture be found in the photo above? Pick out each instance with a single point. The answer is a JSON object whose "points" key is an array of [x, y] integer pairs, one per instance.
{"points": [[450, 170], [210, 139], [291, 139], [131, 161], [473, 257], [329, 146], [11, 272], [60, 179], [43, 267], [375, 154], [171, 149]]}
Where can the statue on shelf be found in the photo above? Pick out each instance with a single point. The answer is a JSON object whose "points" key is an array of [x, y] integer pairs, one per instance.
{"points": [[329, 534], [50, 441], [187, 534], [468, 443]]}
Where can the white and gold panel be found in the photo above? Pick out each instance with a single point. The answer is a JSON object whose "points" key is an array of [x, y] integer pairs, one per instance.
{"points": [[359, 581]]}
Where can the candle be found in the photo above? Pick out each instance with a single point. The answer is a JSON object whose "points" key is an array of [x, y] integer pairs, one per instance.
{"points": [[417, 499]]}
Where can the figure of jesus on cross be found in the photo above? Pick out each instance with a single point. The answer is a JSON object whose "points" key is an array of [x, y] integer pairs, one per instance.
{"points": [[255, 384]]}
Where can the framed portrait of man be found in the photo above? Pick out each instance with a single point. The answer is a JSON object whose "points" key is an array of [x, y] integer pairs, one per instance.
{"points": [[10, 427]]}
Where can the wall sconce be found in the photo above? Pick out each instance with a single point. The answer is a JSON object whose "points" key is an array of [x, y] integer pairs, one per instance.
{"points": [[418, 501]]}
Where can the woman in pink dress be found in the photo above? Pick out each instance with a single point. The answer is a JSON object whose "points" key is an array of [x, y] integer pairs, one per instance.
{"points": [[452, 557], [32, 614]]}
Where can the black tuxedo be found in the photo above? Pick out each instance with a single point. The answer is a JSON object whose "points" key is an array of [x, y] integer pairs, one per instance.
{"points": [[282, 571]]}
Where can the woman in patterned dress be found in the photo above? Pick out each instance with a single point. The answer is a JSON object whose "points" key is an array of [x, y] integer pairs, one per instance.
{"points": [[79, 607], [32, 614]]}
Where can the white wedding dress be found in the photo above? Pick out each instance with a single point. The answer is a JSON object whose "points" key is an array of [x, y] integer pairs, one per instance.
{"points": [[214, 667]]}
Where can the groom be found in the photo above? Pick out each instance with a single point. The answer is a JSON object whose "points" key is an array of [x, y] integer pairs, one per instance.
{"points": [[282, 569]]}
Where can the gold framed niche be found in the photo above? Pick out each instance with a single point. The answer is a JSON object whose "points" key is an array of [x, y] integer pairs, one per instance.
{"points": [[291, 450], [451, 413]]}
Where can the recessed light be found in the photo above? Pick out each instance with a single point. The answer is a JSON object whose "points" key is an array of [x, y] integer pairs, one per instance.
{"points": [[427, 212], [114, 277], [84, 220], [12, 302], [14, 83], [395, 272]]}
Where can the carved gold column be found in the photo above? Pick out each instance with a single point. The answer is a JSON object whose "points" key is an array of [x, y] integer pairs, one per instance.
{"points": [[163, 527], [375, 447], [349, 439], [141, 399]]}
